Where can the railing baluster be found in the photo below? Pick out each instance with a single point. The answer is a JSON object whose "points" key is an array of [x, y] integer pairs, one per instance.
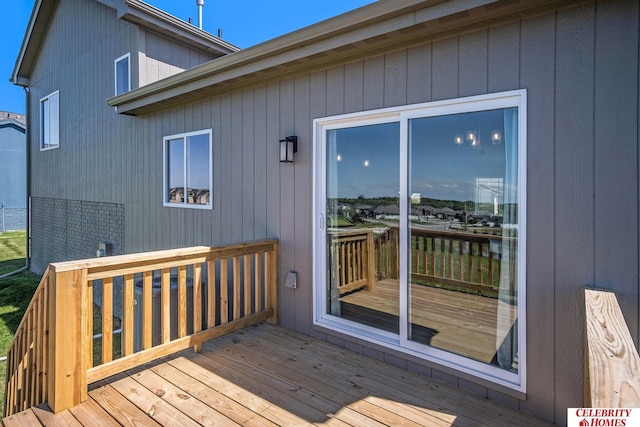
{"points": [[236, 288], [224, 291], [247, 284], [46, 286], [182, 301], [258, 282], [107, 320], [147, 310], [211, 294], [197, 302], [89, 321], [165, 305], [127, 316], [37, 351]]}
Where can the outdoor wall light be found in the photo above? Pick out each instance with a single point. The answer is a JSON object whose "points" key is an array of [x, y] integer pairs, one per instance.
{"points": [[288, 146]]}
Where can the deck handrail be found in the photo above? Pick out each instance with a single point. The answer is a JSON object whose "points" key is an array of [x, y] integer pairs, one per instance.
{"points": [[51, 359], [612, 364]]}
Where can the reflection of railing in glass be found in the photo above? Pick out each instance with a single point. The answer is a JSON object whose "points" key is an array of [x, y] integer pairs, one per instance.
{"points": [[443, 258], [351, 260]]}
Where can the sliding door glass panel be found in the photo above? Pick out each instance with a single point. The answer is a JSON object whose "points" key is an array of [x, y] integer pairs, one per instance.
{"points": [[463, 232], [362, 170]]}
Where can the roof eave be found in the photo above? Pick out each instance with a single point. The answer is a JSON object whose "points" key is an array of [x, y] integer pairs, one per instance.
{"points": [[386, 24], [33, 38]]}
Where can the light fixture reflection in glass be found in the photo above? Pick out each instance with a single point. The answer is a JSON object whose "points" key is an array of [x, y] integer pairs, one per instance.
{"points": [[496, 137], [366, 163], [471, 135], [475, 142], [339, 158], [458, 140]]}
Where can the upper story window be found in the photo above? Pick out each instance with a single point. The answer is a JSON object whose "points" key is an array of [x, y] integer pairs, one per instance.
{"points": [[50, 121], [188, 172], [123, 74]]}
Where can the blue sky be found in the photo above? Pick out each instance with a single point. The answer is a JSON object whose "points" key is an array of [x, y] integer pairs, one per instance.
{"points": [[243, 22], [366, 160]]}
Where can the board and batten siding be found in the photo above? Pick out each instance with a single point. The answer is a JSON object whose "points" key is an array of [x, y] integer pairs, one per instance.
{"points": [[580, 68], [160, 57], [580, 72]]}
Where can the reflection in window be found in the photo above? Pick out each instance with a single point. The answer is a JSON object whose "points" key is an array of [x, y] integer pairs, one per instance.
{"points": [[122, 74], [188, 174], [50, 121]]}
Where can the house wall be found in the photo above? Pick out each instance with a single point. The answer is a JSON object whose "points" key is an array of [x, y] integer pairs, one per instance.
{"points": [[160, 57], [580, 68], [13, 166], [97, 160]]}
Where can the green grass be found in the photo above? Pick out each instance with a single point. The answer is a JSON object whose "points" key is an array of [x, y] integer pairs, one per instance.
{"points": [[15, 294], [13, 249]]}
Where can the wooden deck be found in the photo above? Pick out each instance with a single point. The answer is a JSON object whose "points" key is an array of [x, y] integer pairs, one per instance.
{"points": [[454, 321], [268, 376]]}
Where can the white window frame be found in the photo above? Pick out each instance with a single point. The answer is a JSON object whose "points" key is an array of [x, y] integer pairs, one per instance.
{"points": [[165, 183], [402, 115], [48, 132], [115, 72]]}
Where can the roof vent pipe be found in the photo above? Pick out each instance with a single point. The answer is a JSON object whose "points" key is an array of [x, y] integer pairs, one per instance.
{"points": [[200, 3]]}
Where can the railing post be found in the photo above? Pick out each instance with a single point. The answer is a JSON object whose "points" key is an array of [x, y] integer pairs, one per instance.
{"points": [[272, 282], [67, 379]]}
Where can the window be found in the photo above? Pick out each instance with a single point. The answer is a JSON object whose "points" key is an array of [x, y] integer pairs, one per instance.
{"points": [[50, 121], [123, 74], [188, 173], [419, 231]]}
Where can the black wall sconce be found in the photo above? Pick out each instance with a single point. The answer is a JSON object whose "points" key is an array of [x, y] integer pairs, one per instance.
{"points": [[288, 146]]}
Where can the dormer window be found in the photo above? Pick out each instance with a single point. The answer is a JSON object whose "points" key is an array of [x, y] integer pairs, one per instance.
{"points": [[123, 74]]}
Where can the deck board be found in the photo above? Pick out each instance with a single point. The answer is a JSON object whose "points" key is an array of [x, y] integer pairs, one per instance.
{"points": [[268, 376]]}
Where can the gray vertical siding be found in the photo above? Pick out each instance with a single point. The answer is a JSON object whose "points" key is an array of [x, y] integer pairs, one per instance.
{"points": [[579, 66], [538, 61]]}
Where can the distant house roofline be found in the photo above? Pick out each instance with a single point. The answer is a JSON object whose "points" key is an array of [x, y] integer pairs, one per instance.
{"points": [[13, 123], [135, 11], [355, 35]]}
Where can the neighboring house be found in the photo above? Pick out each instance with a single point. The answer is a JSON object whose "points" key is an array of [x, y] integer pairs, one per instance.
{"points": [[13, 171], [414, 94]]}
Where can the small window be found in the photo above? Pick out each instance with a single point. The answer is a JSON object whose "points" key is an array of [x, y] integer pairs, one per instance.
{"points": [[50, 121], [123, 74], [188, 173]]}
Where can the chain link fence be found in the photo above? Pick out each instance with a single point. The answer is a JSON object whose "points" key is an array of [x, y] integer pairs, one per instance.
{"points": [[12, 219]]}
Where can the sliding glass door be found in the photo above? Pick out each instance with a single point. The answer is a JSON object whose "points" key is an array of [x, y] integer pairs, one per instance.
{"points": [[419, 231]]}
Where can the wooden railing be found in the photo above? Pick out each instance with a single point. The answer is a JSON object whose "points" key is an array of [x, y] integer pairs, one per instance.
{"points": [[351, 260], [164, 302], [461, 259], [612, 364], [28, 355]]}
